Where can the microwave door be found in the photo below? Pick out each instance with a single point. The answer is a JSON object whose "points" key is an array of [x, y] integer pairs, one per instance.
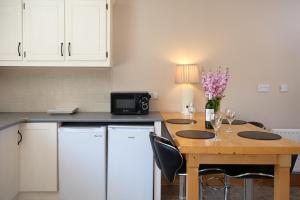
{"points": [[124, 105]]}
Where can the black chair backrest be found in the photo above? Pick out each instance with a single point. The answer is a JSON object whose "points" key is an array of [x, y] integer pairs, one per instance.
{"points": [[169, 157], [152, 137], [294, 159], [258, 124]]}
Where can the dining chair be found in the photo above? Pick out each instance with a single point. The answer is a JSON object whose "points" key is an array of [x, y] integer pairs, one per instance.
{"points": [[250, 172], [171, 162]]}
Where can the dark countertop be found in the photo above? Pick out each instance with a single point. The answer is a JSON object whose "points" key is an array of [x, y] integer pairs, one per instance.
{"points": [[10, 119]]}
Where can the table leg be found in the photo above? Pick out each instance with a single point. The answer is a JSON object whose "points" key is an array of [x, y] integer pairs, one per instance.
{"points": [[282, 178], [192, 183]]}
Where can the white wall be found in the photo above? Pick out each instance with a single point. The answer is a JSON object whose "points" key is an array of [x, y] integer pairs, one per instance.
{"points": [[258, 39]]}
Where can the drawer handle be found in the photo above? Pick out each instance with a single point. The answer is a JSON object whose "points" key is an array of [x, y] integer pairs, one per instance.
{"points": [[131, 137]]}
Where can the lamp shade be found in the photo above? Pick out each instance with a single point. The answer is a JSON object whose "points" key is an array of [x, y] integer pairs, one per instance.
{"points": [[187, 73]]}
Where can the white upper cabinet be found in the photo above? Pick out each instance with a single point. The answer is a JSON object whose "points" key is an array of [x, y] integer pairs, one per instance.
{"points": [[86, 30], [11, 30], [44, 30], [55, 33]]}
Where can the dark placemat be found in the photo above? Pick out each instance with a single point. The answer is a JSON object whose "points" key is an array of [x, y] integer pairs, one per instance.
{"points": [[195, 134], [257, 135], [235, 122], [181, 121]]}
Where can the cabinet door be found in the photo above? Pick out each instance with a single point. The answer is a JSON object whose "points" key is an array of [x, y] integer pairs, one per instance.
{"points": [[44, 30], [38, 157], [11, 30], [130, 164], [9, 163], [82, 163], [86, 30]]}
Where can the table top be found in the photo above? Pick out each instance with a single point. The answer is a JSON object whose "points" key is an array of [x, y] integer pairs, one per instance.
{"points": [[230, 143]]}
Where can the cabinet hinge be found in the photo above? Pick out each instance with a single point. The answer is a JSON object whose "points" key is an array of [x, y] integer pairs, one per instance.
{"points": [[107, 54], [107, 6], [24, 5]]}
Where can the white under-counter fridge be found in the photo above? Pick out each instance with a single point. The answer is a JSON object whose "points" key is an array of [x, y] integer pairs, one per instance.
{"points": [[82, 162], [130, 163]]}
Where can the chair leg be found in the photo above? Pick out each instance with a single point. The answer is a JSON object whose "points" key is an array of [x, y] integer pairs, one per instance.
{"points": [[182, 187], [226, 187], [248, 189], [200, 188]]}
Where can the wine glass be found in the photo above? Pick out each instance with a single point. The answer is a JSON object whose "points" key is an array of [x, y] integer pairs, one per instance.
{"points": [[216, 123], [230, 116]]}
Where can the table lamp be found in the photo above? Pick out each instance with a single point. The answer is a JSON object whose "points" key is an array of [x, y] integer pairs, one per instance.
{"points": [[187, 74]]}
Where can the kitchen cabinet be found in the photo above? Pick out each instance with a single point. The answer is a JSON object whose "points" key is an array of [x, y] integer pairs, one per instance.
{"points": [[82, 163], [44, 30], [57, 33], [38, 157], [86, 30], [9, 163], [130, 163], [11, 30]]}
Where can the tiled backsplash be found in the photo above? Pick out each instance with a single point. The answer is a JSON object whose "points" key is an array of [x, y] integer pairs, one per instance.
{"points": [[37, 90]]}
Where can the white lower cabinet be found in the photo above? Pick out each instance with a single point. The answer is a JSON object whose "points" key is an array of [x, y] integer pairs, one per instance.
{"points": [[130, 163], [93, 164], [38, 157], [9, 163]]}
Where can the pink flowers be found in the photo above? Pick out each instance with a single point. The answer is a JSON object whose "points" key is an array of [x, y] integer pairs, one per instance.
{"points": [[215, 83]]}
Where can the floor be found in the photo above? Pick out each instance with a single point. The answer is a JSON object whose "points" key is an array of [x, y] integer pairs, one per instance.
{"points": [[170, 192]]}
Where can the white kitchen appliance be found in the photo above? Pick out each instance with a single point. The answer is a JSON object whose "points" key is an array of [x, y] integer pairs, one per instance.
{"points": [[82, 162], [130, 163]]}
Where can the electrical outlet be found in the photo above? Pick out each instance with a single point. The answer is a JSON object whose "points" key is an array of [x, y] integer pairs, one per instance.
{"points": [[154, 95], [283, 87], [263, 88]]}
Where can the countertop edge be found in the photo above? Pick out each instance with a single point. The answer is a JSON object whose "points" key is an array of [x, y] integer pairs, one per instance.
{"points": [[10, 119]]}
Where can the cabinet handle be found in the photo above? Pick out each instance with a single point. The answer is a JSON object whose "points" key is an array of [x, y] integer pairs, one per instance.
{"points": [[21, 137], [19, 45], [61, 49], [131, 137], [69, 48]]}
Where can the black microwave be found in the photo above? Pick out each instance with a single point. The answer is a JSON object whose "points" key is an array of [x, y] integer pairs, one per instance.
{"points": [[129, 103]]}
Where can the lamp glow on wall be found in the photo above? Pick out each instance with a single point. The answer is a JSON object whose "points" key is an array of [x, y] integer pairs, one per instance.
{"points": [[187, 74]]}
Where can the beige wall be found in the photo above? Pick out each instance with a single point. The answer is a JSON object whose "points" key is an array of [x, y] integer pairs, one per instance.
{"points": [[258, 39]]}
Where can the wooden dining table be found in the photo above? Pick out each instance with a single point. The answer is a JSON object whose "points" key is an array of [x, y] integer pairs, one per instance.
{"points": [[232, 149]]}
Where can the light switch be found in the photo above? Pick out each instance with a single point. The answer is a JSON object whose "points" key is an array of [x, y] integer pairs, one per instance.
{"points": [[263, 88], [283, 87]]}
